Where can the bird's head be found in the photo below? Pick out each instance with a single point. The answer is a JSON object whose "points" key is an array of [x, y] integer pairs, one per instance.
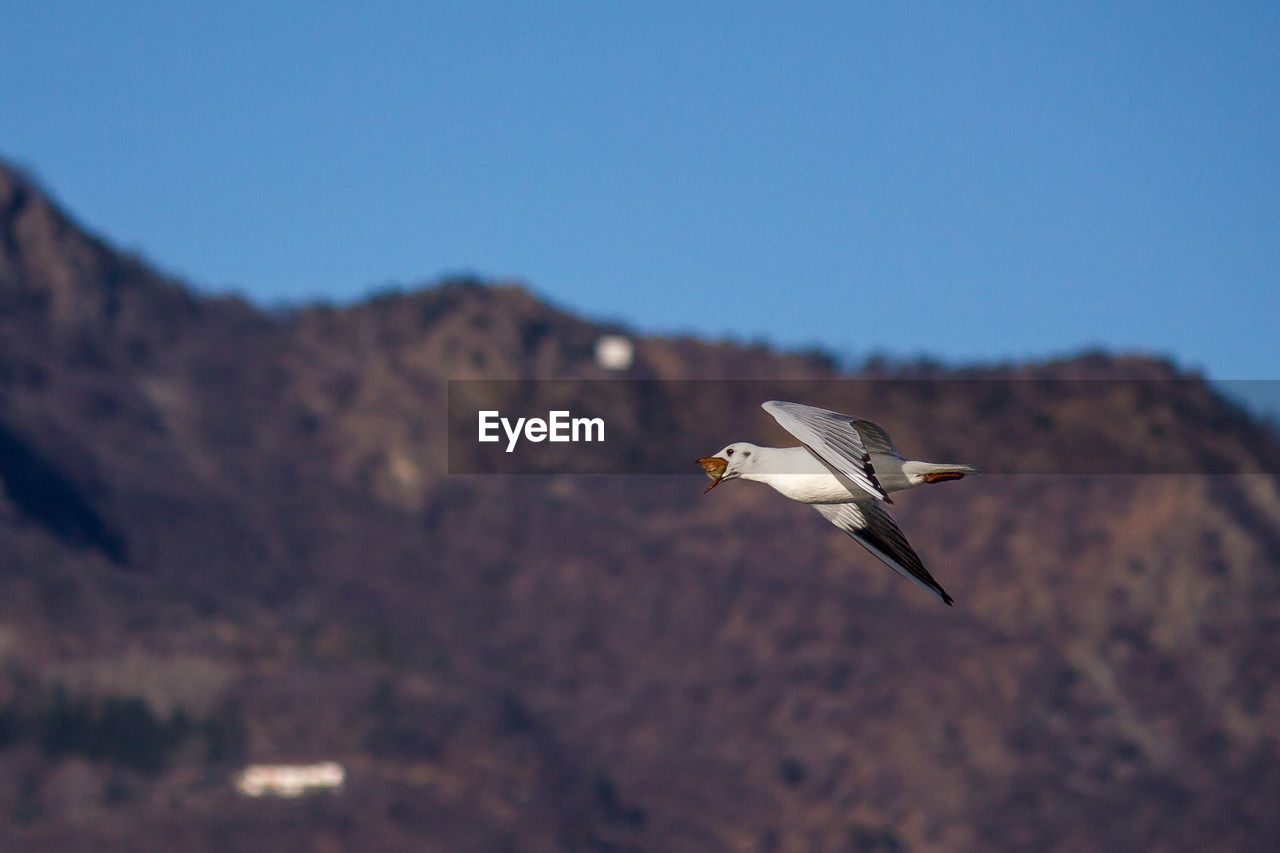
{"points": [[728, 464]]}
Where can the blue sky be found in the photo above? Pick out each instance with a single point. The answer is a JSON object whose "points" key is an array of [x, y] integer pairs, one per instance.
{"points": [[972, 182]]}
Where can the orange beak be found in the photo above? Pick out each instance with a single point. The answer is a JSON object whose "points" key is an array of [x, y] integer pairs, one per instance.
{"points": [[714, 466]]}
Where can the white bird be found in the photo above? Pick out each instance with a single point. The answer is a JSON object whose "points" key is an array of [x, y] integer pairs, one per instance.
{"points": [[845, 470]]}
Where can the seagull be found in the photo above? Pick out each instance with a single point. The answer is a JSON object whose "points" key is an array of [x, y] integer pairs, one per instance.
{"points": [[845, 470]]}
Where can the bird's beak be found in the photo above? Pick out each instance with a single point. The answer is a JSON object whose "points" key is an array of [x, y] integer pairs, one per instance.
{"points": [[714, 466]]}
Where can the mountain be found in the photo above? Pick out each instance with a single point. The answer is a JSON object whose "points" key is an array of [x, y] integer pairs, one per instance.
{"points": [[232, 536]]}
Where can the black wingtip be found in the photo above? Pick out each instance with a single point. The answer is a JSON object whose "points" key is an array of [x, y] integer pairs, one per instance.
{"points": [[947, 600]]}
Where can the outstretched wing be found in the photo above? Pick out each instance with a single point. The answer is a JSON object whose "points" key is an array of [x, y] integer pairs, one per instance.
{"points": [[832, 438], [874, 438], [869, 523]]}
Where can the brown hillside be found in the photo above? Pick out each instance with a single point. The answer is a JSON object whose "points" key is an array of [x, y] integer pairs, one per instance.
{"points": [[228, 536]]}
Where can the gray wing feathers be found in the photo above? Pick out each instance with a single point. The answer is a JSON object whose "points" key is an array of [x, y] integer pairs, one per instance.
{"points": [[875, 530], [875, 439], [831, 437]]}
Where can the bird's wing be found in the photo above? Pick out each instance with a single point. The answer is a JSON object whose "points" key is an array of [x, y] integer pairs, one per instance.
{"points": [[869, 523], [832, 438], [874, 438]]}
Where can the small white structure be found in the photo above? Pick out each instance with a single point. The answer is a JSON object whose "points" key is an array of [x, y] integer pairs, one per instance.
{"points": [[289, 780], [614, 352]]}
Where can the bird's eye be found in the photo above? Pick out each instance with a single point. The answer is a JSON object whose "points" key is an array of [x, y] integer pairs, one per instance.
{"points": [[729, 452], [746, 453]]}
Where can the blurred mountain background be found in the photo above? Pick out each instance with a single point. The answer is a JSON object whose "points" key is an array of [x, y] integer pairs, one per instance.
{"points": [[228, 535]]}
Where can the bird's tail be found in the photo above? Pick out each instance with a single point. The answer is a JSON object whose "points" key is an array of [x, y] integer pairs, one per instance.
{"points": [[935, 472]]}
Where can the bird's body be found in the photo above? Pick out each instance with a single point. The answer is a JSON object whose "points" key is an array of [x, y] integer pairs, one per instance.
{"points": [[800, 475], [797, 474], [845, 469]]}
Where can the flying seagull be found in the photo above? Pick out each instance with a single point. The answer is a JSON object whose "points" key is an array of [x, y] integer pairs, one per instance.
{"points": [[845, 470]]}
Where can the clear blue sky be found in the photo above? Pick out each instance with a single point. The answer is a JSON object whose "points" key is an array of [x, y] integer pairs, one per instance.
{"points": [[972, 182]]}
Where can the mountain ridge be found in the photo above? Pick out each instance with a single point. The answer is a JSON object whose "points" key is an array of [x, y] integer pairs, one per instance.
{"points": [[258, 527]]}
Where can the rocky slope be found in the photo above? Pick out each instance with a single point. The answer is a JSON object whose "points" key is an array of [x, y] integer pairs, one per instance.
{"points": [[228, 536]]}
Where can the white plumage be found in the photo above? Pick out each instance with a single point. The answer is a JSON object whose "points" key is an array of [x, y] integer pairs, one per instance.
{"points": [[845, 469]]}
